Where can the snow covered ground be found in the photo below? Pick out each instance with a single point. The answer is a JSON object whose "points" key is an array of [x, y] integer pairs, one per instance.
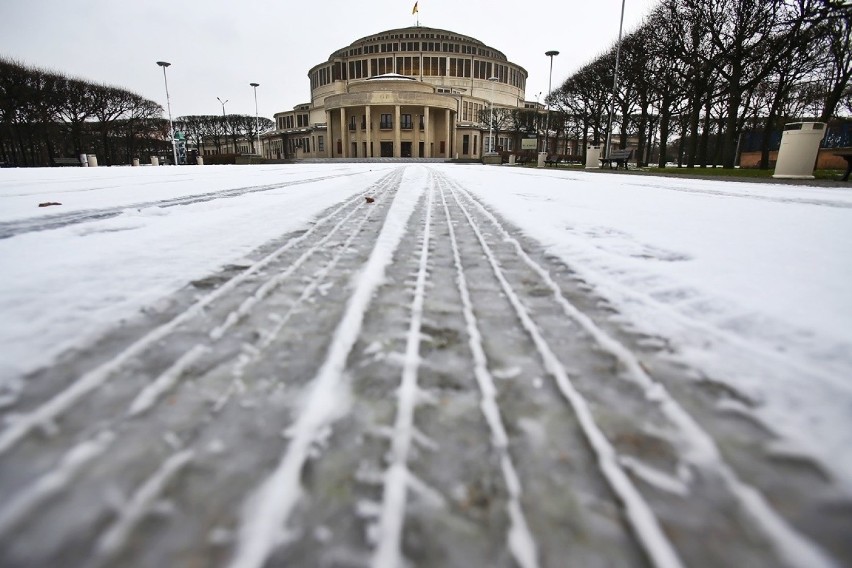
{"points": [[748, 282]]}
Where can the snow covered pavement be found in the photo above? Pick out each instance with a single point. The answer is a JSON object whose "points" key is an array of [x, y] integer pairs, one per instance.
{"points": [[481, 367]]}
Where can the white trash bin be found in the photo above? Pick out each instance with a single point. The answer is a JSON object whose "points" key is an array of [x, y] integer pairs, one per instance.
{"points": [[92, 160], [155, 161], [799, 149], [593, 154]]}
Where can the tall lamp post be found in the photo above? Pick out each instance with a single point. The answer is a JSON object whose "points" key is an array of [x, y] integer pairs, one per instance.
{"points": [[165, 64], [550, 54], [225, 123], [614, 83], [491, 117], [256, 123]]}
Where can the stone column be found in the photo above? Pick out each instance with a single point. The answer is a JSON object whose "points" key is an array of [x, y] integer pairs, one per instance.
{"points": [[358, 135], [455, 134], [427, 131], [397, 149], [415, 140], [448, 152], [344, 134], [369, 134], [329, 136]]}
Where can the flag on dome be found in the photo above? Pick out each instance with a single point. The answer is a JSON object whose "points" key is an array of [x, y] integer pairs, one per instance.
{"points": [[414, 10]]}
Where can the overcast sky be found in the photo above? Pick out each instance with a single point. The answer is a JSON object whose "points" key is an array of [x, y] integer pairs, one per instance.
{"points": [[218, 47]]}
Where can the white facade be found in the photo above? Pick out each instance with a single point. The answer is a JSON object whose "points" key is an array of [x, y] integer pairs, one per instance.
{"points": [[409, 92]]}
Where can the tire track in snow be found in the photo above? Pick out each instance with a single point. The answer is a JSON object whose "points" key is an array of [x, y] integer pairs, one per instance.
{"points": [[793, 548], [254, 352], [388, 553], [521, 542], [52, 483], [30, 498], [168, 378], [116, 536], [267, 510], [11, 228], [638, 513], [45, 414]]}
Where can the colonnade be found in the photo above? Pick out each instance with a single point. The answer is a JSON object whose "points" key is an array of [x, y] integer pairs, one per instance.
{"points": [[368, 141]]}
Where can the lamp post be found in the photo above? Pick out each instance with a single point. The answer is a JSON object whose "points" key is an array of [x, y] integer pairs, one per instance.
{"points": [[225, 123], [165, 64], [550, 54], [614, 83], [491, 117], [256, 123]]}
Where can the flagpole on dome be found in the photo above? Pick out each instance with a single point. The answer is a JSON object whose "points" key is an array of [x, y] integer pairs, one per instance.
{"points": [[416, 11]]}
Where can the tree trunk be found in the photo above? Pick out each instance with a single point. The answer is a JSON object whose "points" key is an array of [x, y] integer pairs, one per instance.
{"points": [[642, 132], [705, 134], [694, 122], [665, 121]]}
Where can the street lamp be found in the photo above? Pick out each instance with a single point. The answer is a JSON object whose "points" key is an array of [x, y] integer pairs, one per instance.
{"points": [[256, 123], [550, 54], [614, 83], [491, 117], [225, 123], [165, 64]]}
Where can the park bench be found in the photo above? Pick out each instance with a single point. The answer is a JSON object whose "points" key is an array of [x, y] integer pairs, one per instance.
{"points": [[66, 161], [619, 158], [553, 160], [846, 155]]}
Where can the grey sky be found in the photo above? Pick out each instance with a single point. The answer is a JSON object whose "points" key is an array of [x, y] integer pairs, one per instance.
{"points": [[218, 47]]}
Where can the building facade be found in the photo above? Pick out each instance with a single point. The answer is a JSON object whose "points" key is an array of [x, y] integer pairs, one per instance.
{"points": [[412, 92]]}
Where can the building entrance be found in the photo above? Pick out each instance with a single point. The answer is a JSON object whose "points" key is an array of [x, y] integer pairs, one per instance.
{"points": [[387, 149], [406, 149]]}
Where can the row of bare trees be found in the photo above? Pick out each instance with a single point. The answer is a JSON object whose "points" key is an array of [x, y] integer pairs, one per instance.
{"points": [[215, 130], [45, 115], [702, 71]]}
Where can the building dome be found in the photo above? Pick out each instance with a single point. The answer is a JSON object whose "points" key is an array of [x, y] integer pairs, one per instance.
{"points": [[406, 92]]}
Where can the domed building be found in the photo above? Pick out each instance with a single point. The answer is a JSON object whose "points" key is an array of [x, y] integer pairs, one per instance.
{"points": [[412, 92]]}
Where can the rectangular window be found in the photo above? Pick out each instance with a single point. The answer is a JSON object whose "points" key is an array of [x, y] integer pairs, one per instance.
{"points": [[405, 121], [352, 122], [386, 123], [320, 144], [466, 144]]}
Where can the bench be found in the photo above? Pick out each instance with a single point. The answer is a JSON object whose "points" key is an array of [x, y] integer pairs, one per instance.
{"points": [[847, 155], [66, 162], [553, 160], [619, 158]]}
